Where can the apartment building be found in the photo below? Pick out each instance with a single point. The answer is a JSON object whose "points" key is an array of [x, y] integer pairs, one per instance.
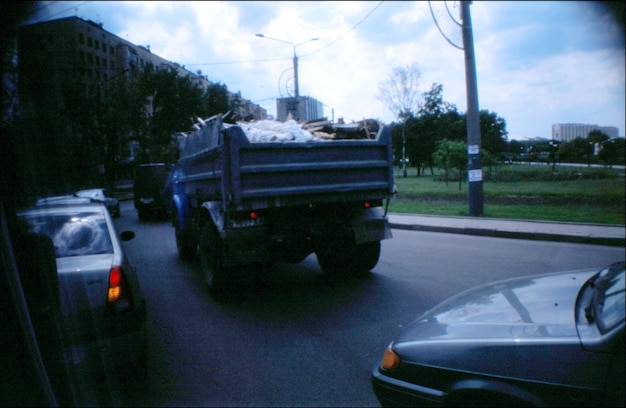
{"points": [[53, 54]]}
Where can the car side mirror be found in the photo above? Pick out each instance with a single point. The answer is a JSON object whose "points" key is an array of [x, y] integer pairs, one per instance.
{"points": [[127, 235]]}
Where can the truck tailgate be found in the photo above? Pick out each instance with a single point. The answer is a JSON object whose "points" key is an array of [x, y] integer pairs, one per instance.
{"points": [[279, 174]]}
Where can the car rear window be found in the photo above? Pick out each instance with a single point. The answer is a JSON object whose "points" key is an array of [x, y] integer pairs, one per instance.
{"points": [[78, 234]]}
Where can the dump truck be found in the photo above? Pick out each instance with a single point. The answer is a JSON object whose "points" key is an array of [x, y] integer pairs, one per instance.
{"points": [[250, 196]]}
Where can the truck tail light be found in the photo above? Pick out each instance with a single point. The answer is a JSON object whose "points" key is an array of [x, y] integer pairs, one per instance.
{"points": [[245, 219], [119, 298]]}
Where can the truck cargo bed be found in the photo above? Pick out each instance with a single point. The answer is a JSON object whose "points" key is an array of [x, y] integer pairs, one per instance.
{"points": [[245, 175]]}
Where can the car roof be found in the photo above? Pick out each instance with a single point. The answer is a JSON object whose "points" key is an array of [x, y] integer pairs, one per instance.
{"points": [[65, 207], [63, 199], [88, 190]]}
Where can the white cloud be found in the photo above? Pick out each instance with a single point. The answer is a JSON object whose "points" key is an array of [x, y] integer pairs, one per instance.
{"points": [[537, 63]]}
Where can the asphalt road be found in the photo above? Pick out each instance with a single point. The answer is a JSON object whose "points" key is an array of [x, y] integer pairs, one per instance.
{"points": [[293, 339]]}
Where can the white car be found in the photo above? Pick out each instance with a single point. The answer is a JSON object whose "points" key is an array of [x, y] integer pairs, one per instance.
{"points": [[104, 196], [102, 309]]}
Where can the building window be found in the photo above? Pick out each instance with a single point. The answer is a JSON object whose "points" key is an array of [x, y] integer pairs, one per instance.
{"points": [[81, 38], [97, 45], [104, 62], [97, 60]]}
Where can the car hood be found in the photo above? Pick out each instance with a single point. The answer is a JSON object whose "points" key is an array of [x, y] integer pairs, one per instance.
{"points": [[523, 308]]}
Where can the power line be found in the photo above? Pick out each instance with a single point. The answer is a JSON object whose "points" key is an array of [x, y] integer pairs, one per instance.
{"points": [[347, 32], [237, 62], [305, 55]]}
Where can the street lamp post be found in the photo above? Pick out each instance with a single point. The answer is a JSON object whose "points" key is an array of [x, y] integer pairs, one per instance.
{"points": [[554, 145], [295, 59]]}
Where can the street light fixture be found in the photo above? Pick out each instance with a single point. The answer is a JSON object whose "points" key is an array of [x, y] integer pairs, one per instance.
{"points": [[295, 58]]}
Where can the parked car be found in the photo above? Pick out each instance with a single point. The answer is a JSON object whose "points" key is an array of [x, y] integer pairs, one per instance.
{"points": [[103, 195], [102, 308], [64, 199], [149, 183], [549, 340]]}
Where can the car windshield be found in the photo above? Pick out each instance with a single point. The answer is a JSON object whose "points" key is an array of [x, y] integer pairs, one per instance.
{"points": [[608, 302], [84, 233]]}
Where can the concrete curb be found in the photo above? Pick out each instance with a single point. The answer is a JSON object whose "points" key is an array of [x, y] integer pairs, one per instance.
{"points": [[490, 231], [538, 236]]}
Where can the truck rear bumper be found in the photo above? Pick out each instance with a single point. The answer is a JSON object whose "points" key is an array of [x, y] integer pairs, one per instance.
{"points": [[273, 241]]}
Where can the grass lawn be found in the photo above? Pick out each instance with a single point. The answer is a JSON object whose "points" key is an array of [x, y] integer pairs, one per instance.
{"points": [[572, 194]]}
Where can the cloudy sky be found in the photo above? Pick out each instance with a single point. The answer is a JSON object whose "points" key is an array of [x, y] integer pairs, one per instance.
{"points": [[537, 63]]}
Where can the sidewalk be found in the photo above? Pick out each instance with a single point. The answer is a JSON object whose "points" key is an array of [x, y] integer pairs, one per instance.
{"points": [[599, 234], [613, 235]]}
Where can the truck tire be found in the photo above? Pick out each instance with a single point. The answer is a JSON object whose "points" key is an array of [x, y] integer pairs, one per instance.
{"points": [[368, 255], [345, 259], [210, 254], [185, 242]]}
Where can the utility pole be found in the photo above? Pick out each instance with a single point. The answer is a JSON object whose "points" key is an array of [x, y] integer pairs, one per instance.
{"points": [[474, 167], [295, 59]]}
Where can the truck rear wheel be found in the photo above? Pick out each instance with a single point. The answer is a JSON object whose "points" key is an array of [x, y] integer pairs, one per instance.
{"points": [[344, 259], [185, 242], [210, 254]]}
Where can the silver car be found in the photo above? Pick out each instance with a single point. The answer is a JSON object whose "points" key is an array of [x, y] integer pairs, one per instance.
{"points": [[103, 311], [549, 340], [104, 196]]}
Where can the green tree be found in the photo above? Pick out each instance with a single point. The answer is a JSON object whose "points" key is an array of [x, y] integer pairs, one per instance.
{"points": [[170, 101], [493, 133], [436, 120], [578, 150], [451, 154], [216, 101], [612, 151]]}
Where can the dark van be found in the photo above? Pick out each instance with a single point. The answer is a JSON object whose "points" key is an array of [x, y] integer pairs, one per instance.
{"points": [[150, 181]]}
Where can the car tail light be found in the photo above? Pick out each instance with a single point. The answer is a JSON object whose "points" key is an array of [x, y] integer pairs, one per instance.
{"points": [[390, 360], [119, 298]]}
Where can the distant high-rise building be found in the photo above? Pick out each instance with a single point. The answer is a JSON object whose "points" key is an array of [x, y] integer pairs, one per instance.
{"points": [[302, 109], [566, 132]]}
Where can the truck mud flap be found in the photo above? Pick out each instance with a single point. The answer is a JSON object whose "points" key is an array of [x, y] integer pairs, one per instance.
{"points": [[370, 225], [371, 230]]}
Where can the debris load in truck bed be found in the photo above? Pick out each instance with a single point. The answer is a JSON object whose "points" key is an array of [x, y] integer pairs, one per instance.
{"points": [[320, 130]]}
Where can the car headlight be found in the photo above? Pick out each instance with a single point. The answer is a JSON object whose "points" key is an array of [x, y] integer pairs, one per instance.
{"points": [[390, 359]]}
